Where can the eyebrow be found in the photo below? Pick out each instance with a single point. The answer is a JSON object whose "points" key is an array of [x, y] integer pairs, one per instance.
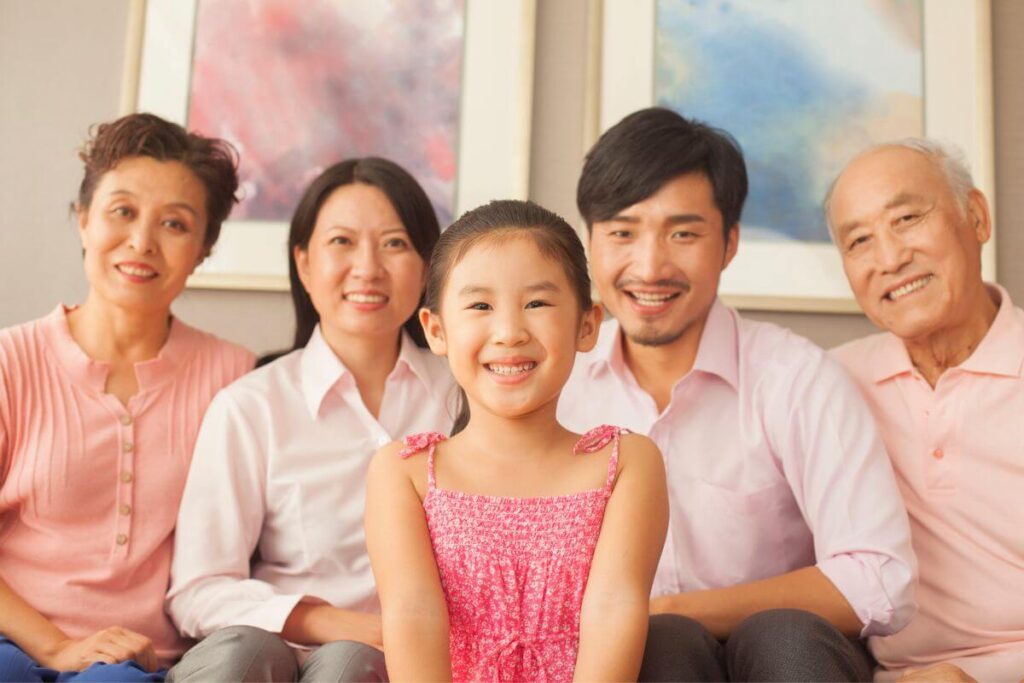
{"points": [[901, 199], [389, 231], [674, 219], [178, 205], [542, 286]]}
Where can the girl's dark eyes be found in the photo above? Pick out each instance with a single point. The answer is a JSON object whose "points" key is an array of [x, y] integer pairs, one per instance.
{"points": [[479, 306], [537, 303]]}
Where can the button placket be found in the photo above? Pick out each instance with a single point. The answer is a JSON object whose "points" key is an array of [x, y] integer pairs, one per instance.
{"points": [[938, 447], [126, 482]]}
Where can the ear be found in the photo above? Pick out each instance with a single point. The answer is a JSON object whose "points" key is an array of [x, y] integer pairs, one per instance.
{"points": [[732, 245], [82, 216], [433, 330], [978, 215], [301, 257], [590, 325]]}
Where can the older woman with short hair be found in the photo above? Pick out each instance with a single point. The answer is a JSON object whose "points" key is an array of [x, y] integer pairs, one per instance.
{"points": [[99, 408]]}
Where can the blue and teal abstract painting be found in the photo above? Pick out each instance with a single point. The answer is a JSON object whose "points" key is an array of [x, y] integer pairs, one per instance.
{"points": [[801, 84]]}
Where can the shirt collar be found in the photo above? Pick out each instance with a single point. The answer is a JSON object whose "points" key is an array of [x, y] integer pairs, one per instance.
{"points": [[717, 354], [1001, 351], [93, 373], [321, 368]]}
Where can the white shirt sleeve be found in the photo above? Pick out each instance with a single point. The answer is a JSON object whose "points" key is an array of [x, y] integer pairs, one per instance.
{"points": [[219, 524], [835, 461]]}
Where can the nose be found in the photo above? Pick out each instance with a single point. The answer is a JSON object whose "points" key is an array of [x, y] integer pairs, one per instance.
{"points": [[367, 263], [141, 238], [649, 259], [891, 252], [510, 328]]}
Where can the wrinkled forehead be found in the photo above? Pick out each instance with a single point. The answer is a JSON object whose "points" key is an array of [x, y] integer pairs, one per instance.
{"points": [[883, 179]]}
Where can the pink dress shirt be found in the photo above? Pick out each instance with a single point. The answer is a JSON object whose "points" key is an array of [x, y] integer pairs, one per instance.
{"points": [[773, 463], [89, 488], [958, 452], [280, 467]]}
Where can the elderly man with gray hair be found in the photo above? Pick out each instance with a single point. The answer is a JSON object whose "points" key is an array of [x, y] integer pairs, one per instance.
{"points": [[945, 383]]}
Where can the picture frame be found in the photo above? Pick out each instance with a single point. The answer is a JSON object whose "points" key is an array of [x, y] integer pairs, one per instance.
{"points": [[805, 276], [495, 110]]}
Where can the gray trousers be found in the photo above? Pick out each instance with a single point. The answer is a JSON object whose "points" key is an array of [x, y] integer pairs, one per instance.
{"points": [[775, 645], [245, 654]]}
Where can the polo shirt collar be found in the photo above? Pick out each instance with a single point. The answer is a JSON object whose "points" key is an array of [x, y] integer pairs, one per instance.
{"points": [[1001, 351], [93, 373]]}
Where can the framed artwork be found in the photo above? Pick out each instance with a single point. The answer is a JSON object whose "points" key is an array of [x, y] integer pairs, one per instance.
{"points": [[442, 87], [803, 85]]}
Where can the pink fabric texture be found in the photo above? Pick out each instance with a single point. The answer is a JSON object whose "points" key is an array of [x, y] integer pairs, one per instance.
{"points": [[514, 570], [957, 451], [89, 488]]}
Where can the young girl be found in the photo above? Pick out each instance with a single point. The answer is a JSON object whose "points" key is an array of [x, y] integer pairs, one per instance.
{"points": [[516, 550]]}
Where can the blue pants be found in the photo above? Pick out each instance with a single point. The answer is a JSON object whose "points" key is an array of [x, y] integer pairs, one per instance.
{"points": [[15, 665]]}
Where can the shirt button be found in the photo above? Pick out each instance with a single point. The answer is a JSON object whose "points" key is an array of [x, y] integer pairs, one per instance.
{"points": [[126, 509], [126, 477], [938, 454], [126, 420], [121, 539], [127, 446]]}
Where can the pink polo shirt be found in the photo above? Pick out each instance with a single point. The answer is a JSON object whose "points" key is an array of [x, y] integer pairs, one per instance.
{"points": [[773, 462], [89, 488], [958, 452]]}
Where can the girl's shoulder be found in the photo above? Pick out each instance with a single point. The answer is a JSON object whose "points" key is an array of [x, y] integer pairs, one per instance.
{"points": [[631, 445], [405, 459]]}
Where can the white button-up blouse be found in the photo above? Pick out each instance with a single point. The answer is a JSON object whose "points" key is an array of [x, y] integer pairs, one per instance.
{"points": [[280, 468]]}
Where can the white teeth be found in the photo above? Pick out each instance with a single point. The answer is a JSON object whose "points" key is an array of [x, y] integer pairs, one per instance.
{"points": [[648, 299], [137, 272], [910, 287], [509, 370], [366, 298]]}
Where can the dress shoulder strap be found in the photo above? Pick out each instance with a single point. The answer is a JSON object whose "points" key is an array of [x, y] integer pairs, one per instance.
{"points": [[596, 439], [424, 441]]}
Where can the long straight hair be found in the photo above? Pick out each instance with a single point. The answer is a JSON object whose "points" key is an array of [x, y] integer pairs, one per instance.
{"points": [[502, 220], [410, 203]]}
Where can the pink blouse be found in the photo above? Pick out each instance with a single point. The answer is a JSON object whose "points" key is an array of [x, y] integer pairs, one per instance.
{"points": [[514, 570], [89, 488]]}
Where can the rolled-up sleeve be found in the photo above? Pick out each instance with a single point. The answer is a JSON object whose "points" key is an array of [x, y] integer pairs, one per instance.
{"points": [[219, 523], [835, 461]]}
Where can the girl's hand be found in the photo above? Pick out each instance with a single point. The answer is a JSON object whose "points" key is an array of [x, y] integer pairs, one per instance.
{"points": [[109, 646]]}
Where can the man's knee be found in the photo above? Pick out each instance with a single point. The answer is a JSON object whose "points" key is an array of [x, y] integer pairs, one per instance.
{"points": [[793, 645], [345, 660], [237, 653], [680, 649]]}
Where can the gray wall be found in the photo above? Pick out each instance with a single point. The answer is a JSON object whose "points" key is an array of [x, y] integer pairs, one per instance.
{"points": [[60, 71]]}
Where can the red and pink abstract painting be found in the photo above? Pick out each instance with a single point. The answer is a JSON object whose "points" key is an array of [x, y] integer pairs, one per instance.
{"points": [[298, 86]]}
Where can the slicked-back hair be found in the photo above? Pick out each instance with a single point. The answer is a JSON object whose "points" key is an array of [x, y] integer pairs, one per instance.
{"points": [[634, 159], [499, 221], [212, 160]]}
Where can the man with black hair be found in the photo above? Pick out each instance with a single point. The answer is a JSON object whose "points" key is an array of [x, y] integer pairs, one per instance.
{"points": [[788, 540]]}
